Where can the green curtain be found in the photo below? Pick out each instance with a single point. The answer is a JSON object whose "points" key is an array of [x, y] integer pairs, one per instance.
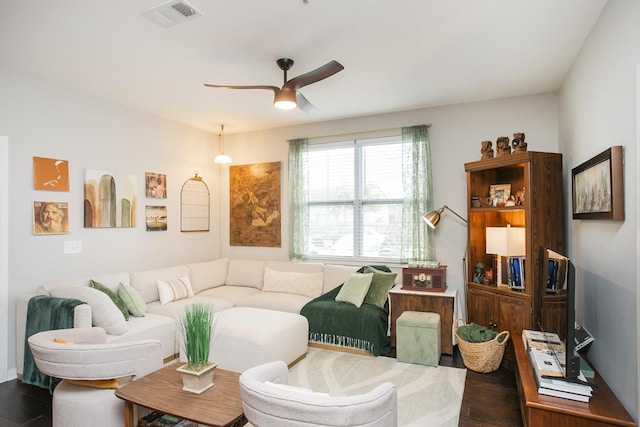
{"points": [[298, 200], [417, 237]]}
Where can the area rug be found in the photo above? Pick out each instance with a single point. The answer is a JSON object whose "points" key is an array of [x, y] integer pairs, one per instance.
{"points": [[427, 396]]}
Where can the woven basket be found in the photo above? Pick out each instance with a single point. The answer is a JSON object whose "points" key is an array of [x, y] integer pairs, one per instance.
{"points": [[482, 357]]}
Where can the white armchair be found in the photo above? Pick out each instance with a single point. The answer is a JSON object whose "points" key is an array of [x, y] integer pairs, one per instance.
{"points": [[268, 400], [87, 356]]}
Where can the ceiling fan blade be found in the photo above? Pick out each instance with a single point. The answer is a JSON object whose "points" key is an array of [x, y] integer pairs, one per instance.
{"points": [[275, 89], [304, 104], [321, 73]]}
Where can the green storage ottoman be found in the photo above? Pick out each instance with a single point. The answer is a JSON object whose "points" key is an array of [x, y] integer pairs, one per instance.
{"points": [[418, 338]]}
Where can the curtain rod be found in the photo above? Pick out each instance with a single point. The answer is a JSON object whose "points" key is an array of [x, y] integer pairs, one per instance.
{"points": [[359, 133]]}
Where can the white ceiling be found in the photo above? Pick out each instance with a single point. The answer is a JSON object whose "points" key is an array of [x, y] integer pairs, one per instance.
{"points": [[398, 55]]}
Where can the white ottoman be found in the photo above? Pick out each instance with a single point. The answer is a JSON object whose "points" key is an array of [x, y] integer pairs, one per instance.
{"points": [[244, 337]]}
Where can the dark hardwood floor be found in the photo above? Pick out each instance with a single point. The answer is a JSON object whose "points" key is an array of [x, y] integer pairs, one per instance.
{"points": [[489, 400]]}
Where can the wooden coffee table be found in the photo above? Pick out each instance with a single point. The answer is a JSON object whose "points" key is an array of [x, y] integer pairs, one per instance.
{"points": [[161, 391]]}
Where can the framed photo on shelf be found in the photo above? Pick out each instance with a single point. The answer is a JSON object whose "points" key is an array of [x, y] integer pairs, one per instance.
{"points": [[499, 194], [597, 187]]}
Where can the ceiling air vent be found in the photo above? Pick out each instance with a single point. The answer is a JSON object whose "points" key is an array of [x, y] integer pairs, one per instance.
{"points": [[174, 12]]}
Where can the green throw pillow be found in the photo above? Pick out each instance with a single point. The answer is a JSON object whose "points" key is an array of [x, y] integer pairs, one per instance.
{"points": [[380, 286], [355, 288], [132, 299], [115, 298]]}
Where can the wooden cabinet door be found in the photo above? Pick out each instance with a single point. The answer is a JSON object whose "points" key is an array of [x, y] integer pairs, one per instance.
{"points": [[514, 315], [482, 308]]}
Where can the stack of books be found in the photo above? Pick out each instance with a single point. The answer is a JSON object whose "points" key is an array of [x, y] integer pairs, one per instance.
{"points": [[516, 272], [547, 356]]}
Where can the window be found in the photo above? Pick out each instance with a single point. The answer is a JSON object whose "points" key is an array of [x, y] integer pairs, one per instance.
{"points": [[361, 199], [355, 199]]}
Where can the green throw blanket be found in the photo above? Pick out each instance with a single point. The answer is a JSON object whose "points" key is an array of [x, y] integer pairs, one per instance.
{"points": [[474, 333], [45, 314], [344, 324]]}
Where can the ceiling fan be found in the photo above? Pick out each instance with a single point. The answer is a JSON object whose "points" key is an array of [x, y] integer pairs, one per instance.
{"points": [[288, 96]]}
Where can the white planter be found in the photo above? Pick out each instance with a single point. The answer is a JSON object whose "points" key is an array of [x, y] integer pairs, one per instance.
{"points": [[197, 381]]}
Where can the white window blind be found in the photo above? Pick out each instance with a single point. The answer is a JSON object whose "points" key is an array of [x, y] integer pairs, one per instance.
{"points": [[355, 198]]}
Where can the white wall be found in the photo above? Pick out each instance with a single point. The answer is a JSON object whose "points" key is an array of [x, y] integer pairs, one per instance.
{"points": [[455, 136], [46, 121], [597, 109]]}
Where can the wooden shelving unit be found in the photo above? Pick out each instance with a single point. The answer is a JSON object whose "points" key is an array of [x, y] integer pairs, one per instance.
{"points": [[541, 214]]}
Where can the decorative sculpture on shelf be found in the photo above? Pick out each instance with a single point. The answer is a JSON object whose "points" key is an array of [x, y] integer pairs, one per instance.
{"points": [[478, 272], [520, 197], [502, 146], [518, 143], [486, 150]]}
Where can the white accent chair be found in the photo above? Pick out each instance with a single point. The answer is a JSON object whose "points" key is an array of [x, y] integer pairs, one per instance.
{"points": [[87, 356], [268, 400]]}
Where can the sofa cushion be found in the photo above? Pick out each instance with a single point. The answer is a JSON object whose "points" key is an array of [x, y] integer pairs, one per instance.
{"points": [[132, 299], [233, 294], [210, 274], [146, 282], [173, 290], [355, 288], [336, 275], [244, 272], [112, 296], [290, 303], [306, 284], [104, 312], [381, 284]]}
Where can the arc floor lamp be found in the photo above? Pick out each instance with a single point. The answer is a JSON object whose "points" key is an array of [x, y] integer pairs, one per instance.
{"points": [[432, 218]]}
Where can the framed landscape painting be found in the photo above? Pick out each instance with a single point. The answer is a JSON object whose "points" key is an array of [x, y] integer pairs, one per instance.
{"points": [[597, 187]]}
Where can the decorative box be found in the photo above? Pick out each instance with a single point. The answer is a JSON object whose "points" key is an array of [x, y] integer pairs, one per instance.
{"points": [[425, 279]]}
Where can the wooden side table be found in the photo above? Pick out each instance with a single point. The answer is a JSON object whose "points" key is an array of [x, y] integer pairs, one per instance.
{"points": [[442, 303]]}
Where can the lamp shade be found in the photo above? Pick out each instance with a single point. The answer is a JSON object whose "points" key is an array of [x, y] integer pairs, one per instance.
{"points": [[222, 159], [508, 241], [285, 100], [432, 218]]}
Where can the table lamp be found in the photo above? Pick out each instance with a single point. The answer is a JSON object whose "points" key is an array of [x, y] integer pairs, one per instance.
{"points": [[504, 242]]}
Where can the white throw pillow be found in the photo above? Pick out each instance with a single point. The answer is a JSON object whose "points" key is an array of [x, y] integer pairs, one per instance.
{"points": [[305, 284], [174, 290], [104, 312]]}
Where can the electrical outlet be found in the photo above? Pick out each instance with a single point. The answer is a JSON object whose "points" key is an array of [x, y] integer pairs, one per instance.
{"points": [[73, 247]]}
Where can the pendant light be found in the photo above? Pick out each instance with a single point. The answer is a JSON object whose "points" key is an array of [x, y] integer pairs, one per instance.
{"points": [[222, 158]]}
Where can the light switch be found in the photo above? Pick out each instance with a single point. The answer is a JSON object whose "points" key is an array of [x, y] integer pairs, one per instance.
{"points": [[73, 246]]}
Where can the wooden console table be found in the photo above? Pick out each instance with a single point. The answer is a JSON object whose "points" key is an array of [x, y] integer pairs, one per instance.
{"points": [[443, 303], [604, 409]]}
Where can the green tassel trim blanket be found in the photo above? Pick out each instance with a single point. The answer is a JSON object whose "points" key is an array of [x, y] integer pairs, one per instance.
{"points": [[344, 324], [45, 313]]}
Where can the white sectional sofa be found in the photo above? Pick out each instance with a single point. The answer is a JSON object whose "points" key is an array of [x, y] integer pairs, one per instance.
{"points": [[225, 283]]}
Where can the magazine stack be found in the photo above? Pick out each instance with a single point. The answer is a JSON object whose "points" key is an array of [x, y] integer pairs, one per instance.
{"points": [[547, 356]]}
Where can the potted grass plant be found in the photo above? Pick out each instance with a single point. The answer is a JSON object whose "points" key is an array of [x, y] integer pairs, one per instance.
{"points": [[196, 326]]}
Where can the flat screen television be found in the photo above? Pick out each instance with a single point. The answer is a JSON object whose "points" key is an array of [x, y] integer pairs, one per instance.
{"points": [[558, 306]]}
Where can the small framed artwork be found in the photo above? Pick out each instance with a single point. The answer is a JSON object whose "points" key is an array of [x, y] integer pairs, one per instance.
{"points": [[155, 185], [598, 188], [50, 174], [156, 218], [50, 218], [499, 194]]}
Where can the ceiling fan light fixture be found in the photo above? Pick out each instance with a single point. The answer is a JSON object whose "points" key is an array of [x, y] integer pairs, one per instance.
{"points": [[285, 100]]}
